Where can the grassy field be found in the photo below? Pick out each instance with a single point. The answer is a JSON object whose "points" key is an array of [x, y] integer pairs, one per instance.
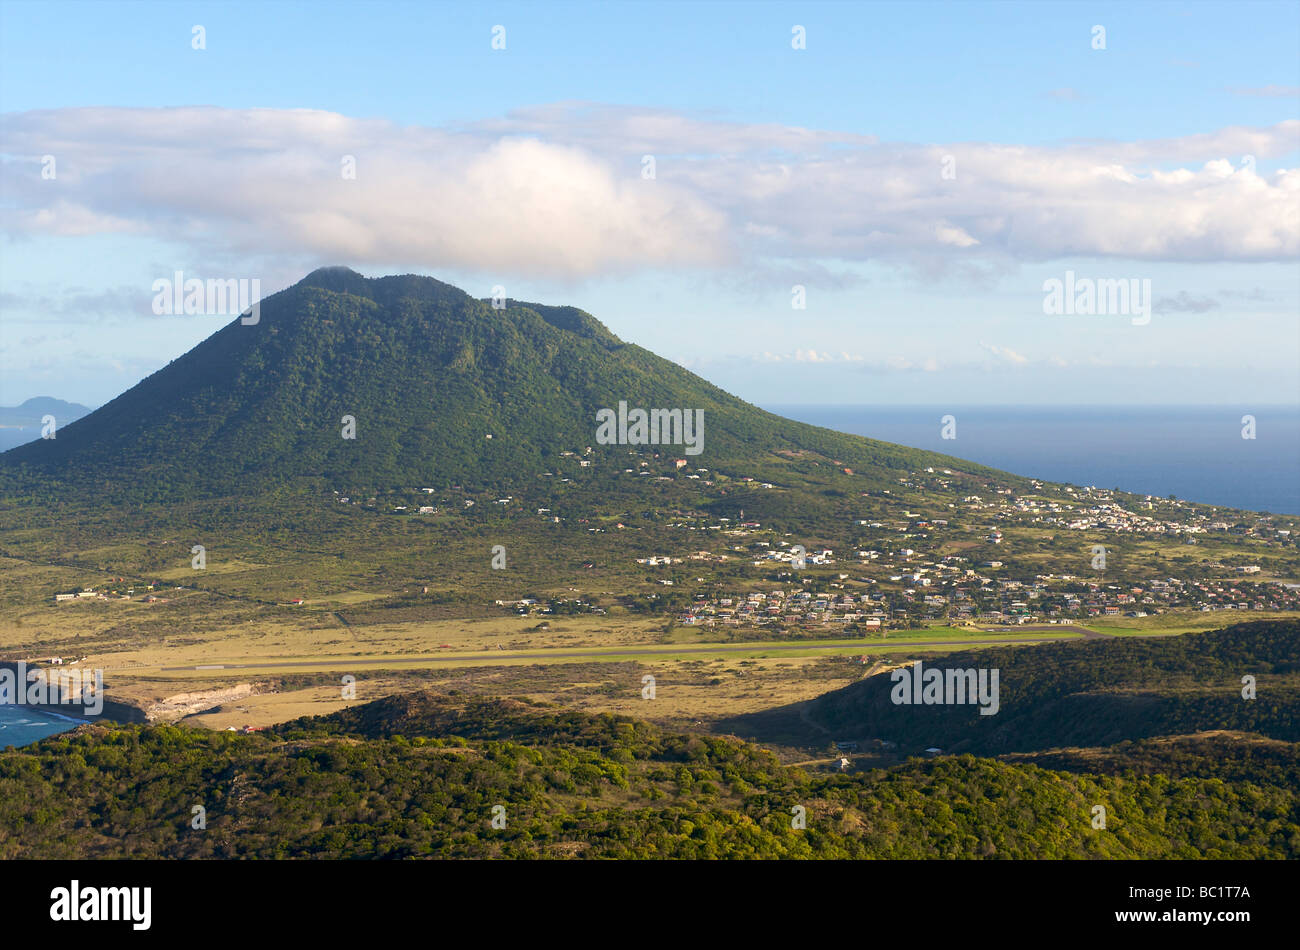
{"points": [[596, 662], [1181, 621], [412, 602], [689, 692], [297, 659]]}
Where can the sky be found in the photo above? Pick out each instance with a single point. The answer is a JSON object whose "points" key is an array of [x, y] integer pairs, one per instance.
{"points": [[853, 203]]}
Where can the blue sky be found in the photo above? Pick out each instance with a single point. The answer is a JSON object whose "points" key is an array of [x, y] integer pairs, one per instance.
{"points": [[774, 167]]}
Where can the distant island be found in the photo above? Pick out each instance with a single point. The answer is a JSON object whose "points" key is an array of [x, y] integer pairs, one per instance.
{"points": [[23, 423]]}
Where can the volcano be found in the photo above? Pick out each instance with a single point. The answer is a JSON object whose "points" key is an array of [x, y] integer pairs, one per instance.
{"points": [[405, 380]]}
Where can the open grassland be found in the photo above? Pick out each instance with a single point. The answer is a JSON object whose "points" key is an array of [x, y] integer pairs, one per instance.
{"points": [[398, 599], [295, 665], [195, 627], [1181, 621], [689, 693]]}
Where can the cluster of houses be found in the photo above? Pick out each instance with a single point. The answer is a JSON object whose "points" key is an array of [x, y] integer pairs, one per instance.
{"points": [[970, 598], [1095, 509], [79, 595], [910, 576], [532, 606], [1058, 598], [110, 592], [786, 607], [961, 590]]}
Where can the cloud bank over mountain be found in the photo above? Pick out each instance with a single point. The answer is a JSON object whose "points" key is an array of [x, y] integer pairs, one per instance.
{"points": [[563, 191]]}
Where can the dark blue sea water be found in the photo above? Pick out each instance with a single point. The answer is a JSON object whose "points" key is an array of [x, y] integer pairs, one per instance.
{"points": [[1195, 452], [21, 726]]}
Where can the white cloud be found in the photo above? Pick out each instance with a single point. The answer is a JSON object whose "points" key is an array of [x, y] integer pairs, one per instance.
{"points": [[953, 236], [901, 364], [1005, 353], [265, 181], [798, 356], [557, 191], [1268, 92]]}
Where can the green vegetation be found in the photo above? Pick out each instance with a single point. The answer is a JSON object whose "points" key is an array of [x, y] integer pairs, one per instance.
{"points": [[419, 777], [1091, 693], [428, 373], [317, 550], [1229, 757]]}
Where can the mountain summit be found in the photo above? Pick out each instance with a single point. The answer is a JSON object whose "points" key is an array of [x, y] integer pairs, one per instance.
{"points": [[438, 387]]}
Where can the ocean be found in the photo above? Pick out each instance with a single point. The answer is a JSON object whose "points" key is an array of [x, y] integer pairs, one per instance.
{"points": [[1195, 453], [21, 725]]}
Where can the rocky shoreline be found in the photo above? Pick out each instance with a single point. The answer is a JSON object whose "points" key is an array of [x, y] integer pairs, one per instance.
{"points": [[110, 709]]}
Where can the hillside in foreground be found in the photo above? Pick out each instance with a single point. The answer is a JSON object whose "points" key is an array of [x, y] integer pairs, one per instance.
{"points": [[583, 786], [425, 774], [1088, 693]]}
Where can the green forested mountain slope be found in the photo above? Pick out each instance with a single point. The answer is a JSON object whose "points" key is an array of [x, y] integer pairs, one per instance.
{"points": [[428, 373]]}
